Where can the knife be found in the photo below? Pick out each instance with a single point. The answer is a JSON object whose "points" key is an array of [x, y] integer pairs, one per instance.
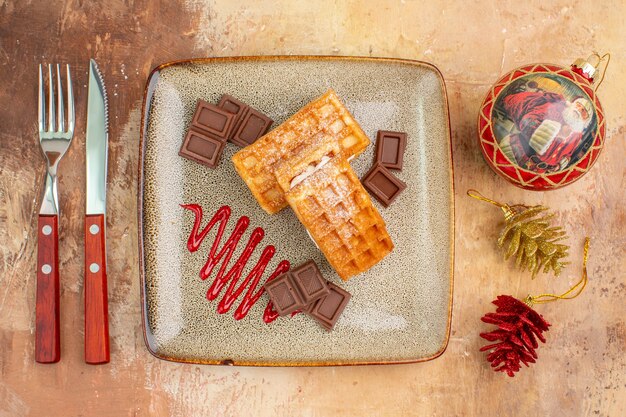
{"points": [[96, 299]]}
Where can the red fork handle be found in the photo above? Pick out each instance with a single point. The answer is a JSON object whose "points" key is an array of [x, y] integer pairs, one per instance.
{"points": [[47, 335], [96, 300]]}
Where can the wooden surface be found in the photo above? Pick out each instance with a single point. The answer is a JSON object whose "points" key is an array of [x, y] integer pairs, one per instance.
{"points": [[581, 370]]}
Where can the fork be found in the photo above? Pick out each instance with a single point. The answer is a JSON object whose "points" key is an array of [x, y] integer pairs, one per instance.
{"points": [[54, 140]]}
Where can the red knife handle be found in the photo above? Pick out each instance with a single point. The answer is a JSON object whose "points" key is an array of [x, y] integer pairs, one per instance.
{"points": [[47, 335], [96, 300]]}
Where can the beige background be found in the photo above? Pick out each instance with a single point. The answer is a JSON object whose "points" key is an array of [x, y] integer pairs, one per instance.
{"points": [[582, 368]]}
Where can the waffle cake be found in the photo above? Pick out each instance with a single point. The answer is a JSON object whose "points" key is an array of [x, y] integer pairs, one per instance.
{"points": [[322, 125], [337, 211]]}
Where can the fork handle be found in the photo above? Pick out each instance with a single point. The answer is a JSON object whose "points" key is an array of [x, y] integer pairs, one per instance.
{"points": [[47, 335], [96, 299]]}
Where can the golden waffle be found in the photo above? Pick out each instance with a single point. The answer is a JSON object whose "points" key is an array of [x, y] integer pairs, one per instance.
{"points": [[324, 123], [338, 213]]}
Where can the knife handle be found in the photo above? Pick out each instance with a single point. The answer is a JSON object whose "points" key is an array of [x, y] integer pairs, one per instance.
{"points": [[47, 335], [96, 300]]}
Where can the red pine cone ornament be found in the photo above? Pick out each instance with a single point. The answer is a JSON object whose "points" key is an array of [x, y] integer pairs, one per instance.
{"points": [[519, 327]]}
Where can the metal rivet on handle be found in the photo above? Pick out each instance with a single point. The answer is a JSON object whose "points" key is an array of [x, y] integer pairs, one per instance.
{"points": [[94, 268], [94, 229], [46, 269], [46, 230]]}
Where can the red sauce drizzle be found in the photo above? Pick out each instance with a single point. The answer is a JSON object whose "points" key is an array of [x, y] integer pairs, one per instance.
{"points": [[224, 254]]}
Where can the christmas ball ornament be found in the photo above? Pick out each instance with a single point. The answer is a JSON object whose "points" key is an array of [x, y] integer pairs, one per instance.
{"points": [[541, 126]]}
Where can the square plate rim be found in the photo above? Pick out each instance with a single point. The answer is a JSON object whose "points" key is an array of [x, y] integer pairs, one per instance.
{"points": [[145, 110]]}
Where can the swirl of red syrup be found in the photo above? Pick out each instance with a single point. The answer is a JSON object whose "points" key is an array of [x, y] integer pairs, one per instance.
{"points": [[234, 274]]}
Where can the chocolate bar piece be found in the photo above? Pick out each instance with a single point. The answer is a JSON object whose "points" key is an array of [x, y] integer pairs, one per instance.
{"points": [[304, 288], [202, 148], [236, 107], [253, 125], [232, 105], [249, 124], [310, 282], [284, 294], [328, 309], [390, 148], [383, 185], [213, 120]]}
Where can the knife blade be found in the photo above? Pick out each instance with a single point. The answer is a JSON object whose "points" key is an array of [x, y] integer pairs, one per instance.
{"points": [[96, 153]]}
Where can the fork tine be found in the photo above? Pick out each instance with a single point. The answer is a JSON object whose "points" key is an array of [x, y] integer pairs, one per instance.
{"points": [[51, 110], [61, 116], [42, 102], [70, 102]]}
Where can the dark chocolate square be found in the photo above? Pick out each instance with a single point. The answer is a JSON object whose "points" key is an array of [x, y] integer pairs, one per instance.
{"points": [[202, 148], [310, 282], [212, 120], [236, 107], [231, 104], [328, 309], [390, 148], [284, 294], [253, 125], [383, 185], [309, 307]]}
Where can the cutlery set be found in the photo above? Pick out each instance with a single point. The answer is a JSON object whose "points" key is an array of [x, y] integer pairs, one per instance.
{"points": [[55, 139]]}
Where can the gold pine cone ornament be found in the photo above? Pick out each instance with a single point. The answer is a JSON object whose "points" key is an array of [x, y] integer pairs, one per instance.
{"points": [[530, 237]]}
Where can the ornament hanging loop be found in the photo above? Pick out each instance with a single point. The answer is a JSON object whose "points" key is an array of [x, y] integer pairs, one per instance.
{"points": [[606, 56], [573, 292], [597, 57], [588, 68], [508, 210], [479, 196]]}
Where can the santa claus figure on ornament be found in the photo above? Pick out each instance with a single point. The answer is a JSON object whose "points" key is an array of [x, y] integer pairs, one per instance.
{"points": [[550, 129]]}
